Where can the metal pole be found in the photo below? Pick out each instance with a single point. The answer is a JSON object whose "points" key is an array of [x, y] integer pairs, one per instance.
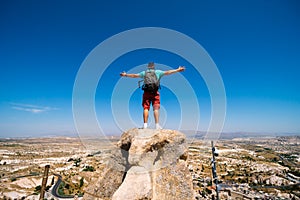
{"points": [[44, 182], [214, 169]]}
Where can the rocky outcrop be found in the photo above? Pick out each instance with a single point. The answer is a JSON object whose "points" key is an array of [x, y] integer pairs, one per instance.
{"points": [[148, 164], [110, 179]]}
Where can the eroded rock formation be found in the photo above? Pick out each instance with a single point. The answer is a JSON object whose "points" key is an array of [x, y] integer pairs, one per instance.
{"points": [[147, 164]]}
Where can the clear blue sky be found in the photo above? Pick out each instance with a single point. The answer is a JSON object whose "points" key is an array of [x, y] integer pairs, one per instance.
{"points": [[254, 44]]}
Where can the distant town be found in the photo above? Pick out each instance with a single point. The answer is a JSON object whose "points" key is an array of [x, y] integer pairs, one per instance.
{"points": [[246, 167]]}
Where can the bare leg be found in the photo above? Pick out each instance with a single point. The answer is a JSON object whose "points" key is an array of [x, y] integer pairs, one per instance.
{"points": [[156, 116], [146, 114]]}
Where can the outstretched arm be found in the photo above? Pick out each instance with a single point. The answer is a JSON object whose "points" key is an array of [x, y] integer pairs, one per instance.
{"points": [[172, 71], [130, 75]]}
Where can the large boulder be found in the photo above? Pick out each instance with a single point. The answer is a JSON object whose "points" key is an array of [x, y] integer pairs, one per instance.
{"points": [[110, 179], [150, 164]]}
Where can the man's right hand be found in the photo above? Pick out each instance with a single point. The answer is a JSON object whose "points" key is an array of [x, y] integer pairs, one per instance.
{"points": [[123, 74]]}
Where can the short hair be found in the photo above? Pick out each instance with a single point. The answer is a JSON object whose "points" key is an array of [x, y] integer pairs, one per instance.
{"points": [[151, 65]]}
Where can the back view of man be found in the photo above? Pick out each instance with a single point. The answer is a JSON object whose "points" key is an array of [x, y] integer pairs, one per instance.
{"points": [[151, 95]]}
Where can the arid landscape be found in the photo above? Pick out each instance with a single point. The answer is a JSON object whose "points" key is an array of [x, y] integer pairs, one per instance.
{"points": [[247, 168]]}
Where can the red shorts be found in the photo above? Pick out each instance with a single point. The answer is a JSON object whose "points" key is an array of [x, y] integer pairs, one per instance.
{"points": [[149, 98]]}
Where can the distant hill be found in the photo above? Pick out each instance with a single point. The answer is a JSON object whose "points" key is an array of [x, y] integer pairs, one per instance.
{"points": [[233, 135]]}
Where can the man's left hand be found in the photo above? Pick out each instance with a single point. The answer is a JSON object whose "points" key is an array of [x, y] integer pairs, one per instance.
{"points": [[181, 68]]}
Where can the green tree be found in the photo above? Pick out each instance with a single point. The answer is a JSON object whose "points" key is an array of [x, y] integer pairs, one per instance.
{"points": [[48, 187], [81, 182], [38, 188], [77, 162], [52, 182], [13, 179], [89, 169]]}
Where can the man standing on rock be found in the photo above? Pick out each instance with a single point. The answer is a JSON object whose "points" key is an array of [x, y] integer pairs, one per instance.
{"points": [[151, 85]]}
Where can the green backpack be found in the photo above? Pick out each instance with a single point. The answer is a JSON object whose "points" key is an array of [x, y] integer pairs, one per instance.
{"points": [[151, 82]]}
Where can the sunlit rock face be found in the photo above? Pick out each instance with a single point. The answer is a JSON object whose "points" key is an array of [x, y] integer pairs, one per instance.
{"points": [[147, 164]]}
